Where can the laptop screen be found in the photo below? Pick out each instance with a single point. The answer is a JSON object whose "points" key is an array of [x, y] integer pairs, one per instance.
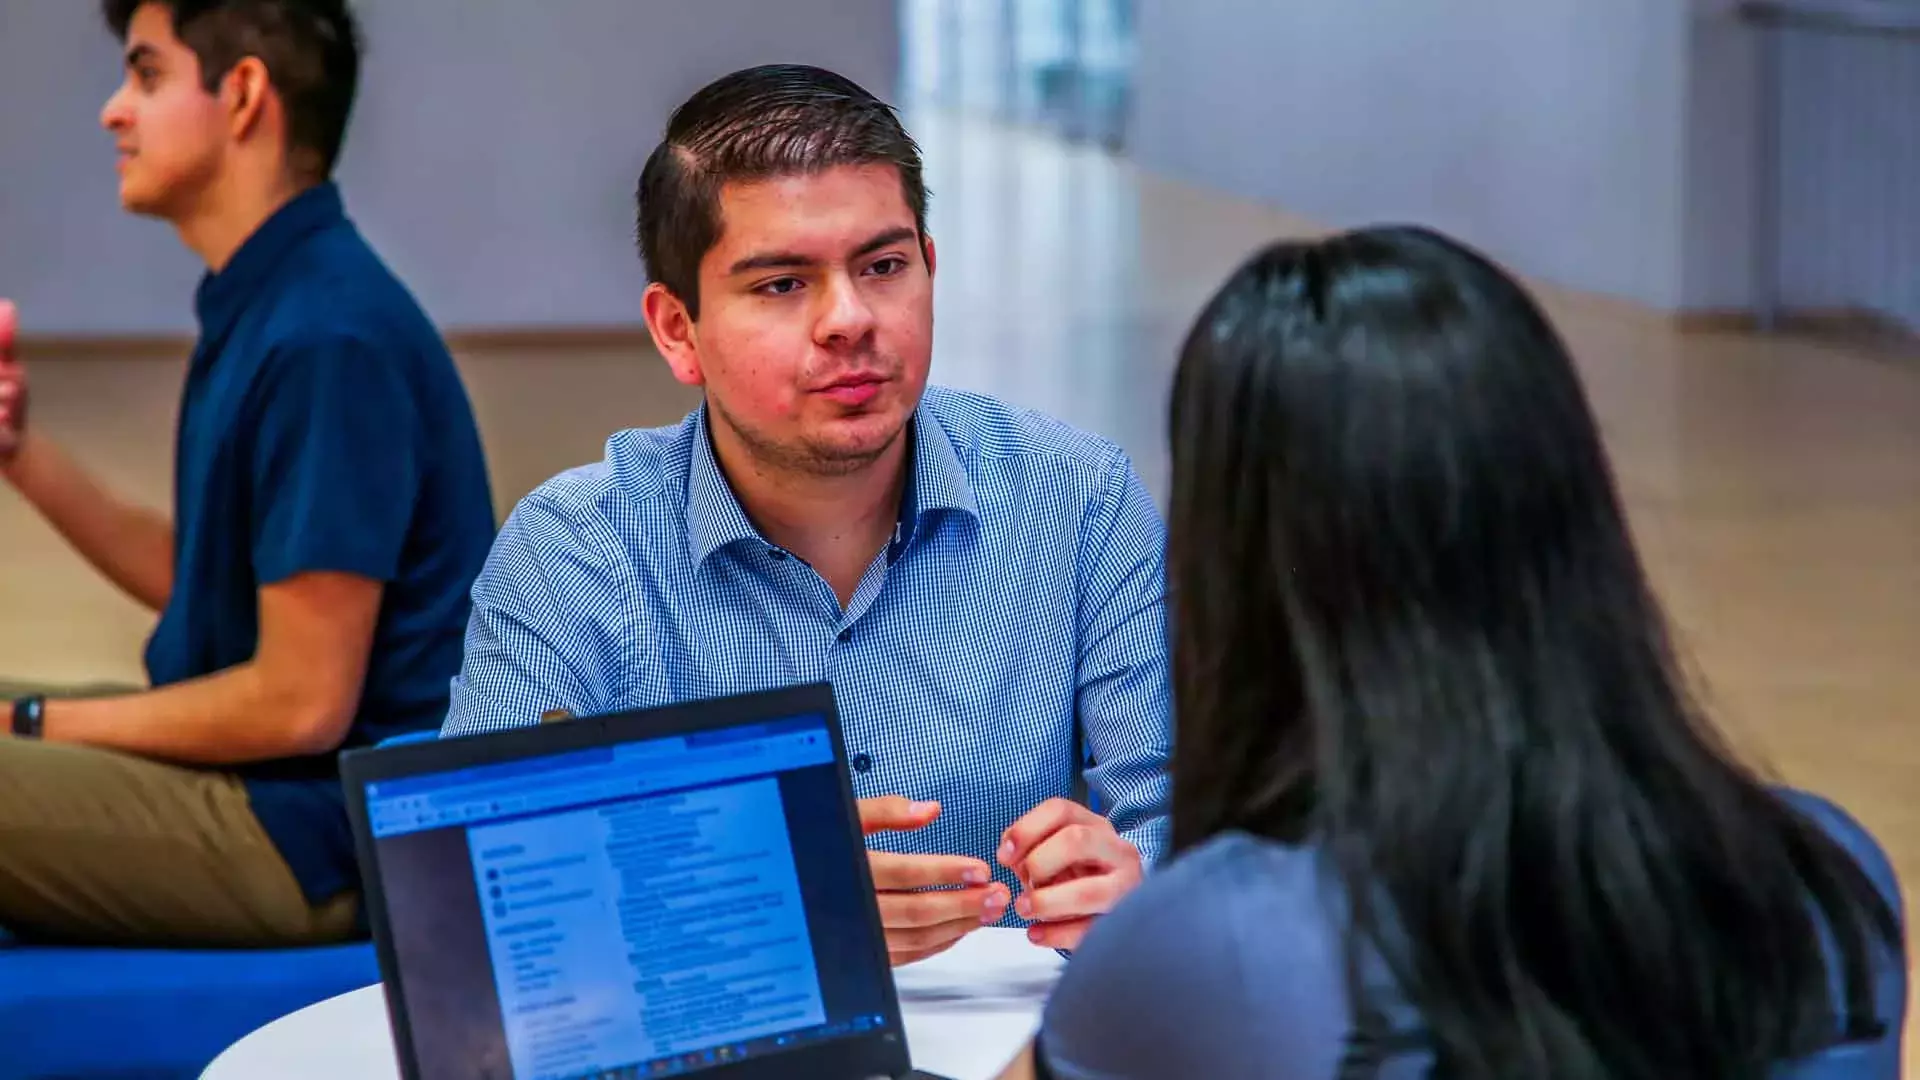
{"points": [[642, 909]]}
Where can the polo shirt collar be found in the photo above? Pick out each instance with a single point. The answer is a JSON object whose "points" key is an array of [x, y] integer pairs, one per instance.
{"points": [[938, 483], [223, 295]]}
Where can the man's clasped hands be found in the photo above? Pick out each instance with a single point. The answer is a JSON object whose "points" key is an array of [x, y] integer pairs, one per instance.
{"points": [[1071, 864]]}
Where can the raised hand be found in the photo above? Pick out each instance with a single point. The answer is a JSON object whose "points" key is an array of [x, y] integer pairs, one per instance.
{"points": [[13, 385]]}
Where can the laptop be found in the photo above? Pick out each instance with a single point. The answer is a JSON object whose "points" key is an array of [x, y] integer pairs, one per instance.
{"points": [[680, 891]]}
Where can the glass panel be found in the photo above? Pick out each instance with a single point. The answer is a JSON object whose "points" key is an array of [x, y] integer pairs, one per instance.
{"points": [[1043, 61], [1062, 65], [1106, 63], [984, 41], [923, 63]]}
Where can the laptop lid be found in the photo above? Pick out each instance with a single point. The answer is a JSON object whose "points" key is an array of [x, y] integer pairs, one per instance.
{"points": [[666, 892]]}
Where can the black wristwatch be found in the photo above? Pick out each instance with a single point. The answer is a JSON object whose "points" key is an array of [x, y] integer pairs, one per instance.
{"points": [[29, 716]]}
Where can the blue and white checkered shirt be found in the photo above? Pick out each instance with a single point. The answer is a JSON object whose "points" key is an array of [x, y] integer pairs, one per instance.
{"points": [[1016, 624]]}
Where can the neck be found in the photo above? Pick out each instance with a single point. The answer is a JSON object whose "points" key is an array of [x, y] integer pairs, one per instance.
{"points": [[230, 212], [838, 524]]}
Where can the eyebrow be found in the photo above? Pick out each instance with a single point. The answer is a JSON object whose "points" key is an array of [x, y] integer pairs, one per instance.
{"points": [[139, 53], [786, 260]]}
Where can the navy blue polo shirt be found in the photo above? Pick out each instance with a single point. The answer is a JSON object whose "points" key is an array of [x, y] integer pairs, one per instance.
{"points": [[323, 428]]}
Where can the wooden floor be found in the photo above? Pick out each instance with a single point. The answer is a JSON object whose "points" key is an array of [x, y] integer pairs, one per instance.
{"points": [[1775, 483]]}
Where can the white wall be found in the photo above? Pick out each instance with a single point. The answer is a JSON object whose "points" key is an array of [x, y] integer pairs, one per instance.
{"points": [[1545, 131], [67, 253], [1724, 111], [1846, 162], [1850, 193], [492, 155], [1608, 145]]}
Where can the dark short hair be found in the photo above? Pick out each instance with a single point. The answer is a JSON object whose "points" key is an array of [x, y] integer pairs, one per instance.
{"points": [[311, 49], [773, 120], [1412, 632]]}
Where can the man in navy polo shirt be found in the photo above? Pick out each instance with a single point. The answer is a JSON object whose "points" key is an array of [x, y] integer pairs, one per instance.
{"points": [[331, 509]]}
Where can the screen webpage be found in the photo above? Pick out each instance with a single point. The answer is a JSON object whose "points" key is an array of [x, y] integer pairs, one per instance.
{"points": [[645, 909]]}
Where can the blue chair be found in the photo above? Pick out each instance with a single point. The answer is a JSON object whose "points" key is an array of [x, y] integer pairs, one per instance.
{"points": [[140, 1014], [156, 1014]]}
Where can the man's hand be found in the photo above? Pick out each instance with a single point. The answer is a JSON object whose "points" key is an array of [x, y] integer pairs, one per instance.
{"points": [[13, 385], [133, 546], [1072, 866], [927, 902]]}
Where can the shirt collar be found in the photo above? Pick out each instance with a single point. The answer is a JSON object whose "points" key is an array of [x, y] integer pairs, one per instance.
{"points": [[937, 483], [223, 295]]}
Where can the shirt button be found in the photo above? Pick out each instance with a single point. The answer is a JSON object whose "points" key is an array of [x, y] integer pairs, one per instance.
{"points": [[863, 762], [847, 634]]}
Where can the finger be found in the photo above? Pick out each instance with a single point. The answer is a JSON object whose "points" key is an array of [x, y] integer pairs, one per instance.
{"points": [[1036, 825], [9, 325], [917, 910], [1076, 899], [893, 871], [1077, 846], [893, 813], [920, 940], [1059, 935], [901, 958]]}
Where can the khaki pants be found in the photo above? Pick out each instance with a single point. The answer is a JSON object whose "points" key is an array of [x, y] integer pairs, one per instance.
{"points": [[103, 848]]}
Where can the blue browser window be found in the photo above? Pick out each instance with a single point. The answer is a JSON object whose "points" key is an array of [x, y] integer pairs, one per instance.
{"points": [[647, 909]]}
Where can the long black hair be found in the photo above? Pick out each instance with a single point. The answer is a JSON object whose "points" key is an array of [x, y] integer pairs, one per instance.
{"points": [[1410, 628]]}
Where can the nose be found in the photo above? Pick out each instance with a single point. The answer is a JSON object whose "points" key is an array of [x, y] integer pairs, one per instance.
{"points": [[847, 318], [113, 115]]}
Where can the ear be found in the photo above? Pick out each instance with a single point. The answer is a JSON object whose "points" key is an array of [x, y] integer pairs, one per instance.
{"points": [[246, 92], [926, 249], [673, 333]]}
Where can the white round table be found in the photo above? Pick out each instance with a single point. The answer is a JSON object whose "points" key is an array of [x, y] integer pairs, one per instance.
{"points": [[968, 1011]]}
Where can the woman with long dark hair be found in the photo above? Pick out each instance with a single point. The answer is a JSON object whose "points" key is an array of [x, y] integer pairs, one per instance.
{"points": [[1442, 805]]}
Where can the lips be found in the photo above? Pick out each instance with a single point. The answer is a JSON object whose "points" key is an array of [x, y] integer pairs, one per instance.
{"points": [[853, 390]]}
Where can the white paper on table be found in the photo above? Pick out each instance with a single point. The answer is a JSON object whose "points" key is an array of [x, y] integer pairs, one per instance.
{"points": [[969, 1010], [991, 969]]}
